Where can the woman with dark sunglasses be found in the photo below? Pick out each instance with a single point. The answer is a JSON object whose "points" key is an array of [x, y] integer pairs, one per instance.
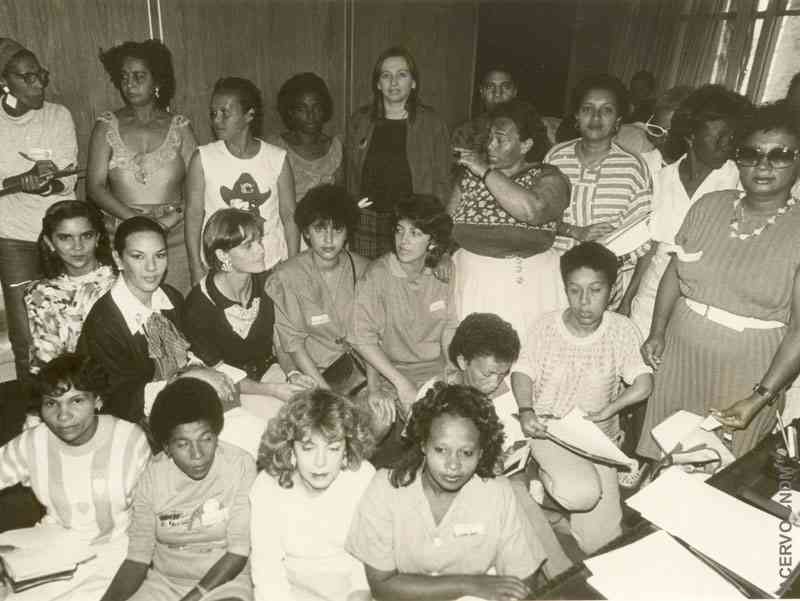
{"points": [[38, 139], [723, 337], [701, 135]]}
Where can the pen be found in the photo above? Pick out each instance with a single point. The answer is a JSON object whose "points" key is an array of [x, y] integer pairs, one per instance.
{"points": [[783, 430]]}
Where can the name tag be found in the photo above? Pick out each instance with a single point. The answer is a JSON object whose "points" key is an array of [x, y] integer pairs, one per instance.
{"points": [[318, 320], [437, 306], [468, 529]]}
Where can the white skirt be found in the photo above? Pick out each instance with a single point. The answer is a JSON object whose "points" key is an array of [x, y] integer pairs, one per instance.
{"points": [[517, 289]]}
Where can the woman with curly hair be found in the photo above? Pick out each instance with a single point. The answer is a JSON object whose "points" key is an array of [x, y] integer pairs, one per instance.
{"points": [[305, 106], [313, 475], [505, 206], [138, 155], [404, 317], [76, 256], [432, 527]]}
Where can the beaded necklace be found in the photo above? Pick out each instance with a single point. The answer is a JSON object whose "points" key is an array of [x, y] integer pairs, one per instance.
{"points": [[738, 214]]}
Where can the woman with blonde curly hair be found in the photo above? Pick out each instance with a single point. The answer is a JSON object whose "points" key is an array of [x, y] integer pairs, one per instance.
{"points": [[431, 527], [312, 477]]}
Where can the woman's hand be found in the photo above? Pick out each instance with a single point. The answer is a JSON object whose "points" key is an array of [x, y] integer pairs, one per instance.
{"points": [[407, 393], [170, 219], [222, 384], [739, 415], [472, 161], [503, 588], [445, 268], [301, 379], [589, 233], [531, 426], [653, 350], [603, 414], [38, 177], [383, 412]]}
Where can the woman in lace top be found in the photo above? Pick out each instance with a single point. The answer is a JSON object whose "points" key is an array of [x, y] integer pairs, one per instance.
{"points": [[229, 318], [305, 105], [138, 154], [76, 256]]}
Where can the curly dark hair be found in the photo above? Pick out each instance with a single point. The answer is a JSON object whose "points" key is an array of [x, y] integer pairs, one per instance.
{"points": [[768, 117], [327, 203], [332, 415], [154, 54], [592, 255], [605, 82], [297, 85], [711, 102], [427, 214], [459, 401], [70, 370], [529, 126], [412, 102], [184, 401], [249, 97], [52, 264], [484, 335]]}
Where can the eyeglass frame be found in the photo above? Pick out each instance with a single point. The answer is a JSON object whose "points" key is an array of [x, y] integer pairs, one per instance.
{"points": [[660, 131], [765, 155], [42, 76]]}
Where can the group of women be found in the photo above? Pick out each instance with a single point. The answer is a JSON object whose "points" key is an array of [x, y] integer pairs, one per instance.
{"points": [[463, 303]]}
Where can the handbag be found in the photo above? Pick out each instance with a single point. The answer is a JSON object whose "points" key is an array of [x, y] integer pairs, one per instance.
{"points": [[348, 374]]}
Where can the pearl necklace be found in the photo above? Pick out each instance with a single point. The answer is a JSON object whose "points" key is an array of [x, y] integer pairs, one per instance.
{"points": [[737, 218]]}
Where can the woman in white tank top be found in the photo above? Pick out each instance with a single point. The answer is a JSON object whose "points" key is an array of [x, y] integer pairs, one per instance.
{"points": [[243, 172]]}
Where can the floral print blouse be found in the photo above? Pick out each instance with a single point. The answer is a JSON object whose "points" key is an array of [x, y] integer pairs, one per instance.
{"points": [[57, 308]]}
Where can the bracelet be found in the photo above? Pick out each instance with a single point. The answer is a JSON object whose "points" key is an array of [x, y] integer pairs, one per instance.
{"points": [[486, 173], [763, 391], [292, 373], [203, 592], [521, 409]]}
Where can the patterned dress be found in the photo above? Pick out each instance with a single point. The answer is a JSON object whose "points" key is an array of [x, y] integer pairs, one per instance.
{"points": [[309, 173], [707, 365], [57, 308]]}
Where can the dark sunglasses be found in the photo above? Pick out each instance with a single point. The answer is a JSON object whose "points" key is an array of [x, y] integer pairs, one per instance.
{"points": [[42, 76], [778, 158]]}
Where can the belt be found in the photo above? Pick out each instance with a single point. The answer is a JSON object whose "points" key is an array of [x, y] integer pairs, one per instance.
{"points": [[731, 320]]}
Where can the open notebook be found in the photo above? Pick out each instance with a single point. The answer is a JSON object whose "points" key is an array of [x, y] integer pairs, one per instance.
{"points": [[28, 557]]}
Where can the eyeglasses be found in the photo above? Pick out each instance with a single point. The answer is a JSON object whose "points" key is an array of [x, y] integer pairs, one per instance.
{"points": [[655, 130], [778, 158], [42, 76]]}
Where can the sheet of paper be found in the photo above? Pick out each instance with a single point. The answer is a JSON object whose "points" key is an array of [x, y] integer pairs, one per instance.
{"points": [[656, 567], [517, 460], [710, 423], [582, 436], [234, 373], [686, 429], [628, 237], [749, 542]]}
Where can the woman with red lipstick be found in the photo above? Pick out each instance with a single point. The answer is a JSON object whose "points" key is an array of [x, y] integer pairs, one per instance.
{"points": [[505, 213], [138, 155], [190, 529], [314, 471], [432, 526], [396, 146], [76, 255], [134, 330], [38, 139], [314, 291], [725, 335], [610, 187]]}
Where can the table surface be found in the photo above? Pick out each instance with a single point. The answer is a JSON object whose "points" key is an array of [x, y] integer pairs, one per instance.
{"points": [[754, 470]]}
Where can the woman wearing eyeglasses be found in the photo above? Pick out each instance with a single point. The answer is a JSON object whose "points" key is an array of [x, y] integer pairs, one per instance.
{"points": [[724, 338], [38, 139], [701, 134]]}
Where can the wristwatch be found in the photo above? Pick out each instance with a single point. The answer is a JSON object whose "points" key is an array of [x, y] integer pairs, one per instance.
{"points": [[521, 409], [763, 391]]}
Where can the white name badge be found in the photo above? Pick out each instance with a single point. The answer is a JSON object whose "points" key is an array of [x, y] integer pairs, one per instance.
{"points": [[318, 320], [437, 306]]}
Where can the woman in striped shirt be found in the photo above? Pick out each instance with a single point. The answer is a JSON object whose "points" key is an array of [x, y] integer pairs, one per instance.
{"points": [[83, 468], [610, 187]]}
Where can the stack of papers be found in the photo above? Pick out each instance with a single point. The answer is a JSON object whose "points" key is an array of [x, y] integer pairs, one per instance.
{"points": [[628, 237], [749, 542], [582, 436], [657, 567]]}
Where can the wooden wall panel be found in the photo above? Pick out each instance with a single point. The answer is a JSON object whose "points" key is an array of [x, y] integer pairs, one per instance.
{"points": [[263, 41], [66, 36], [441, 36]]}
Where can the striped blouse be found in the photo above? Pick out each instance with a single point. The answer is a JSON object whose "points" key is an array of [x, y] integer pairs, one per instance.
{"points": [[617, 190], [88, 488]]}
